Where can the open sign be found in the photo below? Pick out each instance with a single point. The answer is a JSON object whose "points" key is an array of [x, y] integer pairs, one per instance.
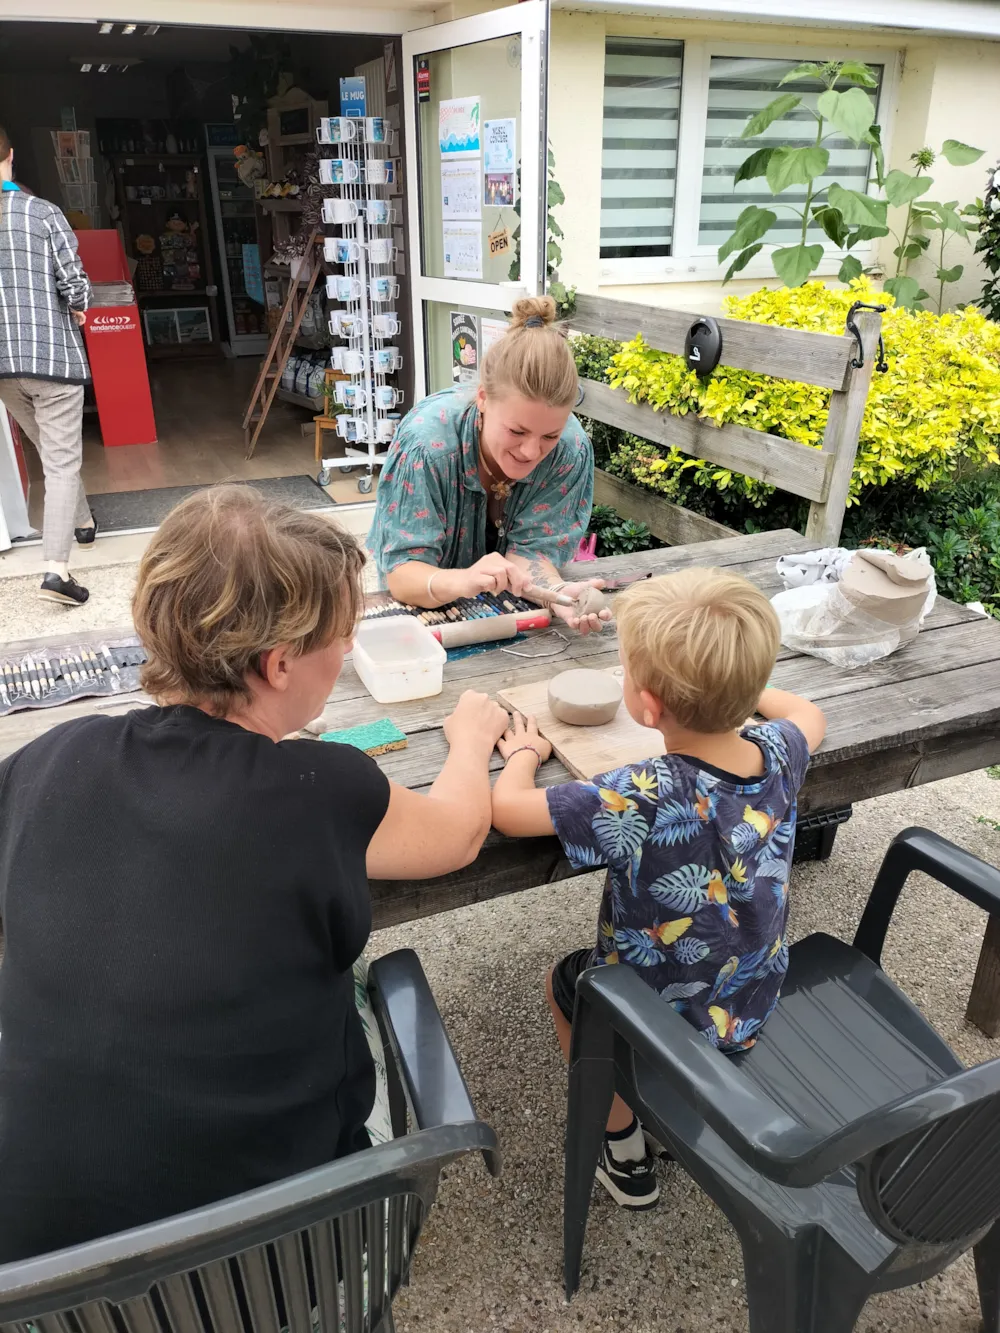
{"points": [[499, 241]]}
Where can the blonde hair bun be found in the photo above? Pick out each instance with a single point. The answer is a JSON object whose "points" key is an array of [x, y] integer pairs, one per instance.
{"points": [[533, 307], [533, 358]]}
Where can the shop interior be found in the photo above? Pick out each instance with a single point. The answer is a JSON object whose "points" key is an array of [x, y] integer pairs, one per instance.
{"points": [[199, 146]]}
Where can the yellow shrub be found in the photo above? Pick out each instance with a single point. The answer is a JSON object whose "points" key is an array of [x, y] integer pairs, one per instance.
{"points": [[937, 407]]}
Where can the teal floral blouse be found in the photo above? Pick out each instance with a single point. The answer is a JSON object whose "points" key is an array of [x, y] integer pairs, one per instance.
{"points": [[432, 507]]}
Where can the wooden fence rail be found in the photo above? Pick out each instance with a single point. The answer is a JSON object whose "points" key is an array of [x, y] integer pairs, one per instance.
{"points": [[821, 476]]}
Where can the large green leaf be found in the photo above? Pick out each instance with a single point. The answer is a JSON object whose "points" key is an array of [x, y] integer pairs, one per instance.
{"points": [[810, 70], [874, 138], [741, 260], [850, 268], [907, 291], [795, 166], [858, 209], [832, 222], [858, 72], [960, 154], [853, 113], [826, 103], [901, 188], [773, 111], [751, 225], [794, 263], [865, 233], [555, 195], [753, 166], [950, 274]]}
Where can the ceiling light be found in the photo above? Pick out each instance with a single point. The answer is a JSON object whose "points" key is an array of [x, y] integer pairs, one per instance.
{"points": [[128, 29], [86, 67], [103, 69], [105, 28], [152, 30]]}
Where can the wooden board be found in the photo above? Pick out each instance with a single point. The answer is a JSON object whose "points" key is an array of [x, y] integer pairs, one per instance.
{"points": [[791, 354], [585, 751]]}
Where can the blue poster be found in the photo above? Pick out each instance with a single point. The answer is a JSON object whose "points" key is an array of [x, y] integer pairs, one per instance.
{"points": [[352, 97], [253, 279]]}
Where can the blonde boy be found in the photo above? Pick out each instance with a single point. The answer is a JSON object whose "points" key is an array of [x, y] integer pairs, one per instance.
{"points": [[698, 843]]}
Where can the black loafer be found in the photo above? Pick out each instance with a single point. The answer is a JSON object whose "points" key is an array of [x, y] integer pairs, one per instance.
{"points": [[85, 536], [67, 591]]}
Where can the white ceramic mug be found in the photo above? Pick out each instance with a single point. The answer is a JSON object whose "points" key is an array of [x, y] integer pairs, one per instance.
{"points": [[347, 427], [341, 250], [385, 428], [345, 324], [348, 360], [339, 210], [387, 359], [338, 171], [383, 289], [386, 396], [351, 395], [381, 251], [379, 212], [378, 170], [343, 289], [385, 325], [336, 129], [377, 129]]}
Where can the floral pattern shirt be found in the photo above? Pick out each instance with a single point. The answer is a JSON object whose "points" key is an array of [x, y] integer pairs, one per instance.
{"points": [[431, 505], [698, 866]]}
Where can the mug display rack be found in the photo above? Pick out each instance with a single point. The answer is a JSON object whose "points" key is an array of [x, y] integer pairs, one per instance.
{"points": [[358, 216]]}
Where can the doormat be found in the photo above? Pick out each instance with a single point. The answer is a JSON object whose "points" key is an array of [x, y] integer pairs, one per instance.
{"points": [[118, 511]]}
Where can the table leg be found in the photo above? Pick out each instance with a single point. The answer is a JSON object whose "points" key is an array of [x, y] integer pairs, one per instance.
{"points": [[984, 999]]}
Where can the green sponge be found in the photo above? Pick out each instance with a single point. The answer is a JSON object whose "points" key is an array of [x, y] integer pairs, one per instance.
{"points": [[374, 737]]}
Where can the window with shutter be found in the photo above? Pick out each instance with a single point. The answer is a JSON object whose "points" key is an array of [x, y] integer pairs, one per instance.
{"points": [[738, 88], [642, 90]]}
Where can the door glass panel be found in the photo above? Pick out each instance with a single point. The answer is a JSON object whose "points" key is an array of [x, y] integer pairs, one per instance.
{"points": [[462, 204], [456, 339]]}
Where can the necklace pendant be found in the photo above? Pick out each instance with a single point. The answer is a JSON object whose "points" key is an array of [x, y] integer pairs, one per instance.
{"points": [[501, 490]]}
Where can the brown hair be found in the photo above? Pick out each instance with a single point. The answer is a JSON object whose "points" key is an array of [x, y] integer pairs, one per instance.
{"points": [[229, 575], [703, 642], [5, 145], [533, 357]]}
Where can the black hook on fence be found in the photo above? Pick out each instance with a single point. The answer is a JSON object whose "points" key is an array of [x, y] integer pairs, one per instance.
{"points": [[881, 365]]}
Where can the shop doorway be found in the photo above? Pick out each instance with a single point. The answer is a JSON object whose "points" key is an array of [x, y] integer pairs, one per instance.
{"points": [[212, 215]]}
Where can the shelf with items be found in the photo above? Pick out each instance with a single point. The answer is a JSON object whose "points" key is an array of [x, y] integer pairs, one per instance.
{"points": [[161, 207], [358, 222]]}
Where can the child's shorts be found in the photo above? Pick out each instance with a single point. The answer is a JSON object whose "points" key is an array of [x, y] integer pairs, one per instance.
{"points": [[564, 978]]}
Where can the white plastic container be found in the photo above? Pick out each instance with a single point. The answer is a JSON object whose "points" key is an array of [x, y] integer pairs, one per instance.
{"points": [[398, 658]]}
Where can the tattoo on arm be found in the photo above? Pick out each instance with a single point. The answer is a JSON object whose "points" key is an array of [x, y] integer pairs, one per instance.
{"points": [[539, 573]]}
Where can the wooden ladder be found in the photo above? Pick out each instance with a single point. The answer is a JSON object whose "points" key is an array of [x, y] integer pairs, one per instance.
{"points": [[282, 343]]}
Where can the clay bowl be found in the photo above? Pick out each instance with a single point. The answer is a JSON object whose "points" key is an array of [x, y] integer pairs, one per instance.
{"points": [[584, 698]]}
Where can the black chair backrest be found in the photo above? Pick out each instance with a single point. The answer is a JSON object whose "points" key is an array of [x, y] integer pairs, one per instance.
{"points": [[938, 1185]]}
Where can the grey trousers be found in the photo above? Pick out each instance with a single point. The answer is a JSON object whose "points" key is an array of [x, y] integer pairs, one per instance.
{"points": [[51, 415]]}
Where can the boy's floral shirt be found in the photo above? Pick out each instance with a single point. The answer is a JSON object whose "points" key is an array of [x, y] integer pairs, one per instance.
{"points": [[431, 505], [698, 862]]}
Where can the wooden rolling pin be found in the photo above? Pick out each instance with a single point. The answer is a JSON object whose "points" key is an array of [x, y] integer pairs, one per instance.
{"points": [[460, 633]]}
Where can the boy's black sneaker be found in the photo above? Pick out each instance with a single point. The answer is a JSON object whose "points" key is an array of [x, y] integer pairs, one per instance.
{"points": [[86, 536], [631, 1184], [66, 591]]}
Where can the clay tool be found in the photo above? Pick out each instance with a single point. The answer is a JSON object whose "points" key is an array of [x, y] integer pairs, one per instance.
{"points": [[32, 670], [110, 660], [614, 585], [96, 667], [373, 738], [546, 597], [50, 675], [8, 678], [19, 683], [74, 674]]}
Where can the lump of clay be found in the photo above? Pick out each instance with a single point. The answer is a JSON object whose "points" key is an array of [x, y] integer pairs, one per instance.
{"points": [[584, 698], [591, 602]]}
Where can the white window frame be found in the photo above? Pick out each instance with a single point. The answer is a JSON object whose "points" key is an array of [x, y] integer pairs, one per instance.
{"points": [[691, 262]]}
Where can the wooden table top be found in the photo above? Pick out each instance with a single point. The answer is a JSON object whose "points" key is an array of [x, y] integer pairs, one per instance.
{"points": [[929, 711]]}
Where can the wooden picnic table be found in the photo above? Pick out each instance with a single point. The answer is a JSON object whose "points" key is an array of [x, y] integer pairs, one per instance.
{"points": [[929, 711]]}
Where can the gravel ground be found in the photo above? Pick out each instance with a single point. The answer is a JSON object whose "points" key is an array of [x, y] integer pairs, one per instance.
{"points": [[490, 1257]]}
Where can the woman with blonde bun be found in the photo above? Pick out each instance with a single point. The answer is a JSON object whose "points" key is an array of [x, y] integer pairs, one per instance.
{"points": [[491, 491]]}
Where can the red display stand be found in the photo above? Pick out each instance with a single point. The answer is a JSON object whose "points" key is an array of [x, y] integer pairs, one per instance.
{"points": [[115, 348]]}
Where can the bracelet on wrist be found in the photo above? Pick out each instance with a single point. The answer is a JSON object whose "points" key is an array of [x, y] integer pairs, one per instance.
{"points": [[519, 749]]}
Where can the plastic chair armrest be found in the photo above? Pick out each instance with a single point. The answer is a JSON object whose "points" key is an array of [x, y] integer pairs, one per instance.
{"points": [[920, 849], [754, 1126], [435, 1086]]}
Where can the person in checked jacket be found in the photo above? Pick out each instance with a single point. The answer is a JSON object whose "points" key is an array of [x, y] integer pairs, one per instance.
{"points": [[44, 294]]}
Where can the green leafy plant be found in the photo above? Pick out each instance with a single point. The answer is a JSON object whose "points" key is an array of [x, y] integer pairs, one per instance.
{"points": [[988, 245], [617, 535], [845, 216], [564, 297]]}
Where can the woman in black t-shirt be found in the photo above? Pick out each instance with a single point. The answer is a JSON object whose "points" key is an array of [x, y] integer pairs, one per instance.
{"points": [[184, 892]]}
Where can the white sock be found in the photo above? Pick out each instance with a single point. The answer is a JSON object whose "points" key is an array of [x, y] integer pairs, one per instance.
{"points": [[58, 567], [628, 1145]]}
